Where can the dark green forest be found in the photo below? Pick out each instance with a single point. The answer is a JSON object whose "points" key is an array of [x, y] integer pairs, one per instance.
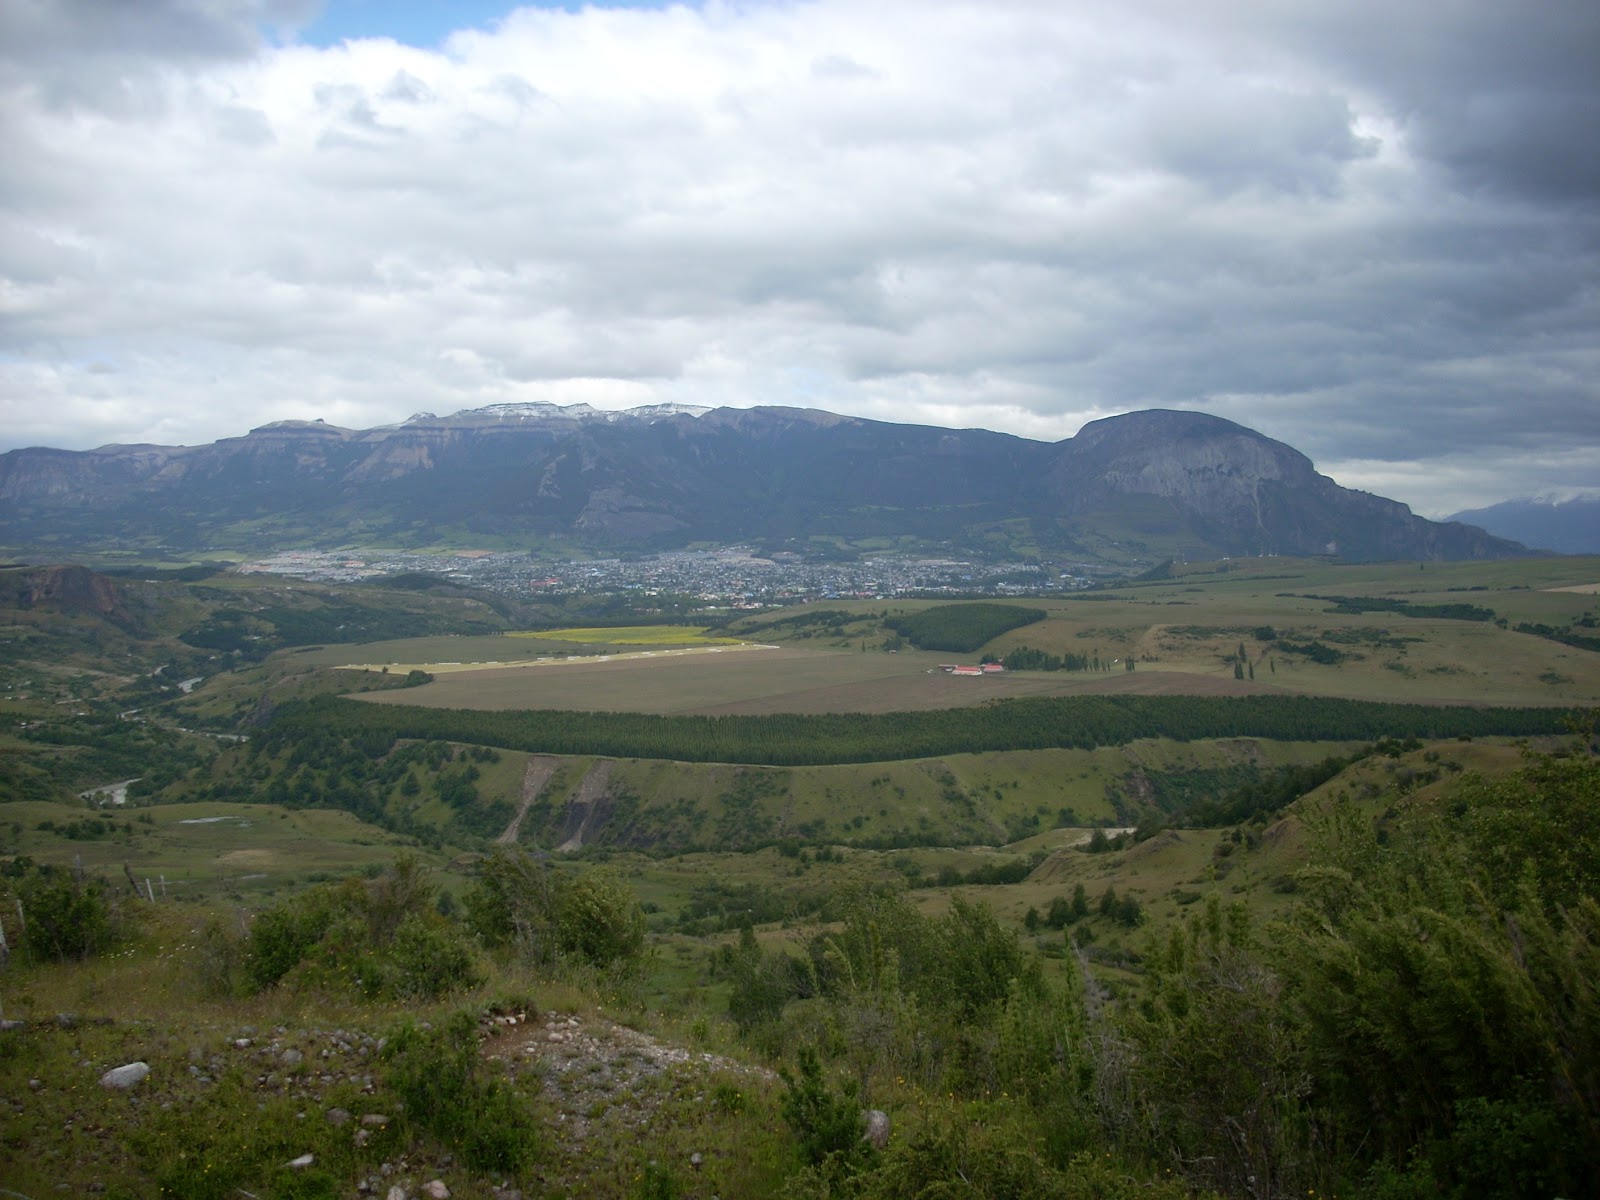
{"points": [[961, 628], [810, 740]]}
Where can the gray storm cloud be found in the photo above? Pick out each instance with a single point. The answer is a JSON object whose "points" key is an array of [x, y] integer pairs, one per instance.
{"points": [[1372, 231]]}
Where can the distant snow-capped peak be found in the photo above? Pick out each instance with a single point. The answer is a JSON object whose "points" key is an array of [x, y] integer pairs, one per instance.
{"points": [[543, 410]]}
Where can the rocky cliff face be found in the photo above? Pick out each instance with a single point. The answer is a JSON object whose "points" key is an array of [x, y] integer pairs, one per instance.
{"points": [[71, 591], [668, 476], [1242, 489]]}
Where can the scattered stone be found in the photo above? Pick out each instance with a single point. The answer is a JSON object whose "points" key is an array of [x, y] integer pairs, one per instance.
{"points": [[305, 1160], [375, 1120], [291, 1057], [696, 1159], [877, 1131], [338, 1116], [67, 1020], [435, 1189], [125, 1076], [35, 1084], [241, 1043], [396, 1193], [362, 1136]]}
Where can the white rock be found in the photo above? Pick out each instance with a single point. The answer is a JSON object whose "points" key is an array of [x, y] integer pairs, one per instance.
{"points": [[396, 1193], [125, 1076], [877, 1127], [305, 1160], [436, 1190]]}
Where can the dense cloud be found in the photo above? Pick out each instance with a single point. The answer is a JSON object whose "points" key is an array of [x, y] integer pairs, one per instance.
{"points": [[1370, 230]]}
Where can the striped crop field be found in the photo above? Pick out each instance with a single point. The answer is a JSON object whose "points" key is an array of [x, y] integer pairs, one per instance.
{"points": [[631, 635]]}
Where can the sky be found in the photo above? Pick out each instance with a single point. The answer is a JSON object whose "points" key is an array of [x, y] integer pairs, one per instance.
{"points": [[1368, 228]]}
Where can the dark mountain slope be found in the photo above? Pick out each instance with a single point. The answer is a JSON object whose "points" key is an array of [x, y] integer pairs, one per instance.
{"points": [[1570, 526], [1126, 488], [1240, 490]]}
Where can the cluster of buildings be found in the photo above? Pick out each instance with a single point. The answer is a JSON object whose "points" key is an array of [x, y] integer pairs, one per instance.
{"points": [[990, 668], [731, 576]]}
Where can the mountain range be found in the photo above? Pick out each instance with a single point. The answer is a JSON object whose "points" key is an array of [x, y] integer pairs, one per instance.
{"points": [[1566, 524], [1134, 488]]}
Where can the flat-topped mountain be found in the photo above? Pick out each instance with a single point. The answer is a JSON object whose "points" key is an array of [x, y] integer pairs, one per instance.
{"points": [[1131, 488]]}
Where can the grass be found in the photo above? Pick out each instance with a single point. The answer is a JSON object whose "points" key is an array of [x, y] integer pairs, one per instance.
{"points": [[1183, 634], [631, 635], [208, 849], [224, 1109], [224, 859], [223, 1125]]}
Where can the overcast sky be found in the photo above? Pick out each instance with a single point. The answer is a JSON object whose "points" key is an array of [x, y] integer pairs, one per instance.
{"points": [[1369, 228]]}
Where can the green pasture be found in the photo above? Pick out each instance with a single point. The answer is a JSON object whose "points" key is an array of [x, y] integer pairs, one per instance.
{"points": [[205, 849], [1183, 633]]}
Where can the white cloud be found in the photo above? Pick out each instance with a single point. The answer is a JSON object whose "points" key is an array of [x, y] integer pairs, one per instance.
{"points": [[1012, 215]]}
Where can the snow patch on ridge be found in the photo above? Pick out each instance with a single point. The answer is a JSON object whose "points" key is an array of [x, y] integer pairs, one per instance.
{"points": [[543, 410]]}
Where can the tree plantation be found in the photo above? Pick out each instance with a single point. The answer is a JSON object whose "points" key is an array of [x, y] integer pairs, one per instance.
{"points": [[794, 739]]}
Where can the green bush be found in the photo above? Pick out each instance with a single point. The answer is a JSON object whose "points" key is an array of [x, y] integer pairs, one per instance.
{"points": [[826, 1123], [428, 960], [760, 984], [221, 959], [381, 935], [438, 1075], [67, 917], [547, 915], [283, 935], [599, 920]]}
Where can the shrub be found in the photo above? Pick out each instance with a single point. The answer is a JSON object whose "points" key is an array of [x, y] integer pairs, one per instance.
{"points": [[283, 935], [436, 1072], [599, 920], [221, 959], [67, 916], [519, 902], [381, 934], [428, 959], [826, 1123]]}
